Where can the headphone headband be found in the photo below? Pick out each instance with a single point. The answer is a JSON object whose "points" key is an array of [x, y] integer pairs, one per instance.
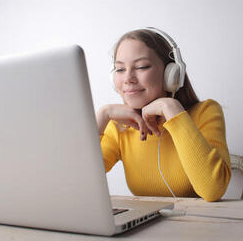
{"points": [[164, 35]]}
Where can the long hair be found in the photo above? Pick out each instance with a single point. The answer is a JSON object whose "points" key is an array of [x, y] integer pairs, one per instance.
{"points": [[185, 95]]}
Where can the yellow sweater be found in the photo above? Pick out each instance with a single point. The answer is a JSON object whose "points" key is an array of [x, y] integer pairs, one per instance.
{"points": [[194, 155]]}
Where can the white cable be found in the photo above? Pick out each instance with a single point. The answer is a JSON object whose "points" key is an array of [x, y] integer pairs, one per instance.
{"points": [[173, 94], [160, 171], [160, 166], [172, 213], [178, 213]]}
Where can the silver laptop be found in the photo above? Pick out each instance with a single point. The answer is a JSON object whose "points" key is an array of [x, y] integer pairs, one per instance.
{"points": [[51, 173]]}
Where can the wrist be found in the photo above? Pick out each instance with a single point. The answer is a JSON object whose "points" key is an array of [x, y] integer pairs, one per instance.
{"points": [[102, 118], [104, 112], [171, 108]]}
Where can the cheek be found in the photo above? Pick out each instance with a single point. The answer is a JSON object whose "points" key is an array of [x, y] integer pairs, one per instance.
{"points": [[153, 82], [118, 84]]}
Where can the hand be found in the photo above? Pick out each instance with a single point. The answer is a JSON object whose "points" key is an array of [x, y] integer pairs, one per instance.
{"points": [[122, 114], [160, 110]]}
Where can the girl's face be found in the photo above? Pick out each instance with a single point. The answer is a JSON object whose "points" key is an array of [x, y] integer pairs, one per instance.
{"points": [[139, 73]]}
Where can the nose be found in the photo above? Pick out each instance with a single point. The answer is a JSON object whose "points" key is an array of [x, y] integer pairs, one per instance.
{"points": [[130, 77]]}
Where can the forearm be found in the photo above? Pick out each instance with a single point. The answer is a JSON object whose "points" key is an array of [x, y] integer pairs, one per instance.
{"points": [[205, 164]]}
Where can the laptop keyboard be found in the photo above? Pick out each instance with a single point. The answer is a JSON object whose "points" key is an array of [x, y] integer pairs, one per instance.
{"points": [[118, 210]]}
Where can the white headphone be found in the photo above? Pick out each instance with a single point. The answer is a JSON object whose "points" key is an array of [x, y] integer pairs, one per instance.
{"points": [[174, 73]]}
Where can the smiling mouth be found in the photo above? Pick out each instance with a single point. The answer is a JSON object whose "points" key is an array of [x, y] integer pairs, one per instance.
{"points": [[132, 92]]}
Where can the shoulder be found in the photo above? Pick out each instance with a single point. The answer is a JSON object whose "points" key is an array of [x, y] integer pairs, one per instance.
{"points": [[205, 106], [206, 109]]}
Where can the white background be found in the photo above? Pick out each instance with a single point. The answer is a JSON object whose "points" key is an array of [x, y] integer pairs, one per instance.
{"points": [[208, 32]]}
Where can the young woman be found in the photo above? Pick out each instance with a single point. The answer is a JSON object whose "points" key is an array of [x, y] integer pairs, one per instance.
{"points": [[193, 154]]}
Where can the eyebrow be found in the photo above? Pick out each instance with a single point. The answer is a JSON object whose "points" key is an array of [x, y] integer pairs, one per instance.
{"points": [[136, 60]]}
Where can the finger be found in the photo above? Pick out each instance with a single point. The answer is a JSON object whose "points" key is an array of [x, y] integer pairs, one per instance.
{"points": [[142, 127], [152, 124], [151, 120], [148, 130]]}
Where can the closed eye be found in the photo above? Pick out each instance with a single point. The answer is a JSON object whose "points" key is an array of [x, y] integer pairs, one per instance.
{"points": [[143, 67], [119, 70], [140, 67]]}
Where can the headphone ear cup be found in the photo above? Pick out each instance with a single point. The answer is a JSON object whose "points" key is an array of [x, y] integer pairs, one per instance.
{"points": [[171, 77], [112, 79]]}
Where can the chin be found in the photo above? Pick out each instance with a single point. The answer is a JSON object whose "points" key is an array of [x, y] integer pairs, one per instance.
{"points": [[136, 104]]}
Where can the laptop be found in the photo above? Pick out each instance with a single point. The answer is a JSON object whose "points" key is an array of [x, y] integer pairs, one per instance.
{"points": [[52, 171]]}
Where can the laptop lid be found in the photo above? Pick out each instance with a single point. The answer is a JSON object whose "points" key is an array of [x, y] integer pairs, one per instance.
{"points": [[52, 172]]}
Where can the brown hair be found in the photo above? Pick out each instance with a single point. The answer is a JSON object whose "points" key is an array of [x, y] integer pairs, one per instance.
{"points": [[185, 95]]}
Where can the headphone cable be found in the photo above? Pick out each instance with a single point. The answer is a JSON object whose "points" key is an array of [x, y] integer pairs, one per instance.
{"points": [[160, 171]]}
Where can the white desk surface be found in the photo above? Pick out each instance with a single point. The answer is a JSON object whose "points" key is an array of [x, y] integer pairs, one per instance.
{"points": [[205, 227]]}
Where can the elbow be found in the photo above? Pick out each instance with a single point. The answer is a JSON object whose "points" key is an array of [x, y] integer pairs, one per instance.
{"points": [[217, 187], [212, 197], [214, 194]]}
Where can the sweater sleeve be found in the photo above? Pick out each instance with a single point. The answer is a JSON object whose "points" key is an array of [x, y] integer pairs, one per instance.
{"points": [[110, 146], [202, 149]]}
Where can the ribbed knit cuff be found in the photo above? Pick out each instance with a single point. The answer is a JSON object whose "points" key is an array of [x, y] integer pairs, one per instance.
{"points": [[174, 120]]}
